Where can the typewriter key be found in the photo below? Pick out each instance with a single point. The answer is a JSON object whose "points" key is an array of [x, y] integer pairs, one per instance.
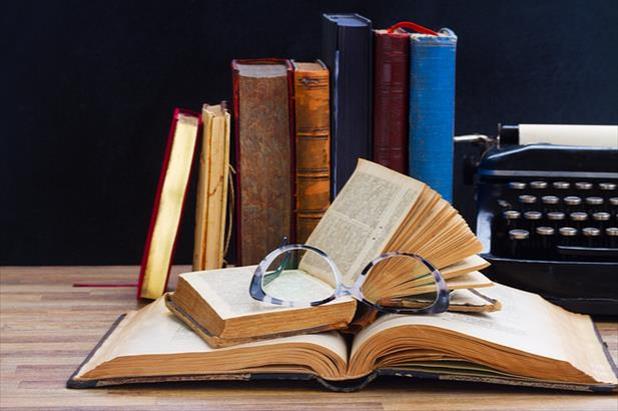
{"points": [[572, 200], [527, 199], [613, 201], [533, 215], [518, 241], [561, 185], [550, 200], [583, 185], [591, 234], [578, 216], [607, 186], [601, 216], [545, 237], [538, 185], [567, 235], [612, 237], [517, 185], [594, 200]]}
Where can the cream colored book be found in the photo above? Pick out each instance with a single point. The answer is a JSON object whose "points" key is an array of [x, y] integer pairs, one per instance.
{"points": [[530, 342], [212, 189]]}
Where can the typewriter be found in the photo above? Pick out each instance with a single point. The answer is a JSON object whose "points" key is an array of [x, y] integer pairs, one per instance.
{"points": [[547, 216]]}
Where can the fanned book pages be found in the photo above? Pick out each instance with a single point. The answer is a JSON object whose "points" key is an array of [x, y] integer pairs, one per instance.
{"points": [[378, 210], [212, 189], [530, 342], [169, 204]]}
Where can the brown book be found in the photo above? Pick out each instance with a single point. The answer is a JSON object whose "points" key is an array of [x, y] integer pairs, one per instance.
{"points": [[312, 117], [529, 343], [264, 137]]}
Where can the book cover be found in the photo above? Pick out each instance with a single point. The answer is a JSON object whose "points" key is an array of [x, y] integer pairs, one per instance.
{"points": [[168, 204], [264, 150], [432, 109], [312, 118], [346, 50], [391, 51]]}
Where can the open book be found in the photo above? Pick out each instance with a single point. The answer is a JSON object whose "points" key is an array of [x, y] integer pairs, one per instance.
{"points": [[530, 342], [378, 210]]}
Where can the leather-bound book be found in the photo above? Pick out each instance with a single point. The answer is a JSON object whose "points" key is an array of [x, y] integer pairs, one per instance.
{"points": [[169, 204], [391, 51], [264, 146], [346, 50], [312, 120]]}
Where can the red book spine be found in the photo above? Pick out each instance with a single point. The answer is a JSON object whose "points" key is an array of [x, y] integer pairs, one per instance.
{"points": [[390, 99]]}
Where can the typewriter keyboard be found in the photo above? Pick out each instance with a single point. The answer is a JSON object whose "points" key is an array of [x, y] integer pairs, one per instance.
{"points": [[556, 220]]}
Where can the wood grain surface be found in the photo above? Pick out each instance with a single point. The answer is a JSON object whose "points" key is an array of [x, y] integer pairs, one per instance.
{"points": [[47, 327]]}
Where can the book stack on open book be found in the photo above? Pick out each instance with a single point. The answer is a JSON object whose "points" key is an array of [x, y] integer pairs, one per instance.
{"points": [[211, 329]]}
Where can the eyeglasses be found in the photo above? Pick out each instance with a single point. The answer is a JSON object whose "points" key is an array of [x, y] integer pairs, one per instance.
{"points": [[300, 275]]}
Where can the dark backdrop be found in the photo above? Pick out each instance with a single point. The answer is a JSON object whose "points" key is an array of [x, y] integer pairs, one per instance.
{"points": [[88, 88]]}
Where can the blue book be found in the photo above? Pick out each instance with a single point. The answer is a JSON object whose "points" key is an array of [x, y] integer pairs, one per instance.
{"points": [[432, 109]]}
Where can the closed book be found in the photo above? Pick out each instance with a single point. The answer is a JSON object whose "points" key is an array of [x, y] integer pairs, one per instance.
{"points": [[264, 146], [346, 50], [312, 120], [212, 189], [432, 109], [391, 57], [169, 204]]}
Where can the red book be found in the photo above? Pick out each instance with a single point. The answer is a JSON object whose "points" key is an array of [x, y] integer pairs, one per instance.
{"points": [[264, 148], [390, 99], [169, 204]]}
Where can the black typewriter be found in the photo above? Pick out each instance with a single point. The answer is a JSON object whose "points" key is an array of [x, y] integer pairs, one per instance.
{"points": [[548, 219]]}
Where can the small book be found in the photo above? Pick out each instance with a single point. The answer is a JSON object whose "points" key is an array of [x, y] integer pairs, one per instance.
{"points": [[530, 342], [168, 204], [346, 50], [312, 118], [391, 74], [379, 210], [264, 146], [212, 189]]}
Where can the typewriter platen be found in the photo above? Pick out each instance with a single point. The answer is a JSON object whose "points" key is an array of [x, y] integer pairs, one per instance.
{"points": [[548, 220]]}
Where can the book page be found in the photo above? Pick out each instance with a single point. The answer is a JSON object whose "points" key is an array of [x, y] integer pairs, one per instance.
{"points": [[526, 323], [362, 219], [155, 330], [227, 291]]}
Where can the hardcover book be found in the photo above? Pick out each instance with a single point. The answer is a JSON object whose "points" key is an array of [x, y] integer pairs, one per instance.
{"points": [[432, 109], [391, 68], [530, 342], [346, 50], [212, 189], [169, 203], [311, 101], [264, 145]]}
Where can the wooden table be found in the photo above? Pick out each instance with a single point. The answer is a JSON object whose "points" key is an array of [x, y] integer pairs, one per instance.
{"points": [[47, 327]]}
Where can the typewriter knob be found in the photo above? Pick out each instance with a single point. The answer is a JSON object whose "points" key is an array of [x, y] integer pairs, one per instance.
{"points": [[582, 185], [538, 185], [607, 186]]}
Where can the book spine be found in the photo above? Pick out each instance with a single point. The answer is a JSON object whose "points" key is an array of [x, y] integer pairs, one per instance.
{"points": [[347, 52], [311, 95], [432, 110], [390, 99], [264, 159]]}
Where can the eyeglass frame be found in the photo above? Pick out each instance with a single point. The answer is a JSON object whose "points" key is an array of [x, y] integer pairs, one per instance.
{"points": [[439, 305]]}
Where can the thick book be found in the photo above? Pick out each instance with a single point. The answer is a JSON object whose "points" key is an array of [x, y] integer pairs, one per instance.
{"points": [[212, 189], [346, 50], [432, 109], [169, 204], [312, 121], [379, 210], [264, 148], [530, 342], [391, 72]]}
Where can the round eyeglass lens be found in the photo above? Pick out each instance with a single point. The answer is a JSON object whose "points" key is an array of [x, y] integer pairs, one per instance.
{"points": [[402, 282], [298, 275]]}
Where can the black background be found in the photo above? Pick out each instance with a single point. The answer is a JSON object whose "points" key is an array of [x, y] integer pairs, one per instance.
{"points": [[88, 88]]}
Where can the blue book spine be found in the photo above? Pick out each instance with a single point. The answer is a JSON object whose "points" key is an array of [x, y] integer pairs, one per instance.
{"points": [[432, 110]]}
